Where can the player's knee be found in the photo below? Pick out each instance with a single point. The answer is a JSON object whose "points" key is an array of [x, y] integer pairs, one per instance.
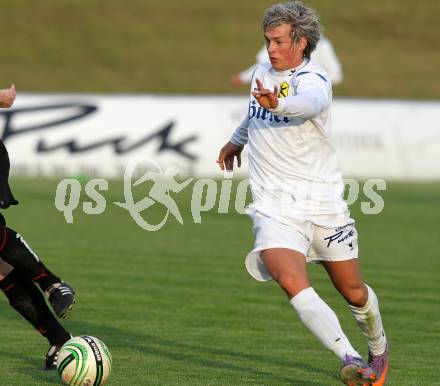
{"points": [[356, 295], [289, 284]]}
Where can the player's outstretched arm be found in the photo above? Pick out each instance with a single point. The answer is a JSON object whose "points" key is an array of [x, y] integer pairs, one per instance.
{"points": [[227, 155], [7, 96]]}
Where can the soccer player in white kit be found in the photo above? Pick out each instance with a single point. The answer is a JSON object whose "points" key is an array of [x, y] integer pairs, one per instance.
{"points": [[298, 211]]}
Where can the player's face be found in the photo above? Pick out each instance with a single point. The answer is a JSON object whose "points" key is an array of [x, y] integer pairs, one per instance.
{"points": [[284, 53]]}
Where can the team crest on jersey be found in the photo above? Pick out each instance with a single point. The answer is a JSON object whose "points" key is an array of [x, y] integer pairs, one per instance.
{"points": [[284, 90]]}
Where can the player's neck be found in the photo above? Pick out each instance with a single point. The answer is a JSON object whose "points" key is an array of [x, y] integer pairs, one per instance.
{"points": [[293, 67]]}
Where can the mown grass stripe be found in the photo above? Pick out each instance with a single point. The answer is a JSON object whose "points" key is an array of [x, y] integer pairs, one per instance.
{"points": [[230, 330]]}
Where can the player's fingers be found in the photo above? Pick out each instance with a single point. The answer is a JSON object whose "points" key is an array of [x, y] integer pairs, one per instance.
{"points": [[275, 91], [220, 159], [229, 163], [259, 84], [13, 87]]}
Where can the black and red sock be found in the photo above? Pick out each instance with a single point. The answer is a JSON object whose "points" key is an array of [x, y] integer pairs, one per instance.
{"points": [[28, 301]]}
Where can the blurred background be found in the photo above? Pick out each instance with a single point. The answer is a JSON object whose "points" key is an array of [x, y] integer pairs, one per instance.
{"points": [[101, 81], [388, 49]]}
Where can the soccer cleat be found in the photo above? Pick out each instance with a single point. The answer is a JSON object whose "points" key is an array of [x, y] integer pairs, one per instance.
{"points": [[354, 371], [51, 357], [379, 363], [61, 298]]}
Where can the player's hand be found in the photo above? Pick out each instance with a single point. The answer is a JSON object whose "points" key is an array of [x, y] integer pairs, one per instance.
{"points": [[7, 96], [227, 154], [236, 80], [266, 98]]}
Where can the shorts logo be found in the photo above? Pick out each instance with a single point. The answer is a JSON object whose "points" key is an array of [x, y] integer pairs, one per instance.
{"points": [[284, 90], [340, 237]]}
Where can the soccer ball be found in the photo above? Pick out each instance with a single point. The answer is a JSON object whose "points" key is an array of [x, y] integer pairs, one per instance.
{"points": [[84, 361]]}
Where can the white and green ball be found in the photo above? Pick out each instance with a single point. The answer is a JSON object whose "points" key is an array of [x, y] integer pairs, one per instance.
{"points": [[84, 361]]}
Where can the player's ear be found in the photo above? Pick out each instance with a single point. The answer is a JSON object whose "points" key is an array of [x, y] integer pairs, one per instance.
{"points": [[302, 43]]}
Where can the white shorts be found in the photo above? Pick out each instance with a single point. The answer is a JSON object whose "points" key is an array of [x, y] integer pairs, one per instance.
{"points": [[316, 242]]}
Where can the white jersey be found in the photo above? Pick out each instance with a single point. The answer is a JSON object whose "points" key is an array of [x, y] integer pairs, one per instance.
{"points": [[324, 54], [293, 168]]}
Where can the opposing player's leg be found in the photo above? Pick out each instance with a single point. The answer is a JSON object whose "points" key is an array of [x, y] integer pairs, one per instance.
{"points": [[288, 268], [15, 251], [364, 305], [5, 269], [28, 301]]}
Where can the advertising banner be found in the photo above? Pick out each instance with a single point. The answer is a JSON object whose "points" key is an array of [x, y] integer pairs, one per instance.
{"points": [[97, 135]]}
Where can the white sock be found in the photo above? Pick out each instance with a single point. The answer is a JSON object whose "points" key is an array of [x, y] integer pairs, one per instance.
{"points": [[320, 319], [370, 322]]}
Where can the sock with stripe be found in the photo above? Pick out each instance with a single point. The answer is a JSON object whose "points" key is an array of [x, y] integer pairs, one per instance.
{"points": [[320, 319], [28, 301], [370, 322]]}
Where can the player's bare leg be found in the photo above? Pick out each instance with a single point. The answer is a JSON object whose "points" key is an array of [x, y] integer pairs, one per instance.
{"points": [[288, 268], [364, 305]]}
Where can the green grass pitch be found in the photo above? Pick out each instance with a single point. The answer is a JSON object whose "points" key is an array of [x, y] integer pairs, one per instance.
{"points": [[176, 307]]}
